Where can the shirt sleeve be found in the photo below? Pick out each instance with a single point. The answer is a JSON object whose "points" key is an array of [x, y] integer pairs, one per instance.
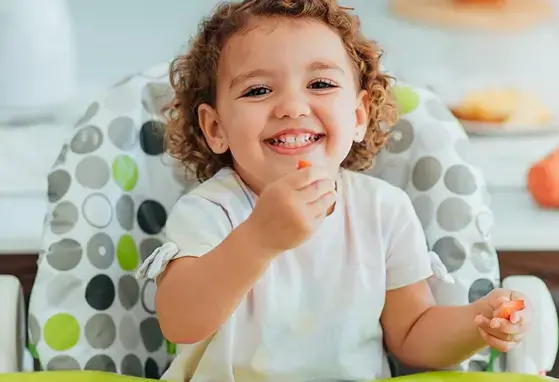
{"points": [[407, 259], [195, 226]]}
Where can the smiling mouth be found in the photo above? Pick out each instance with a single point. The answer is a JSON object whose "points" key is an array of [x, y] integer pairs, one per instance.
{"points": [[294, 140]]}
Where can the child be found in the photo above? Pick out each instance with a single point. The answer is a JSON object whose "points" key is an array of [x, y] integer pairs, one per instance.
{"points": [[274, 273]]}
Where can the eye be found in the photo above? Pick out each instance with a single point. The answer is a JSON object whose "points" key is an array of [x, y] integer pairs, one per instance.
{"points": [[322, 84], [256, 91]]}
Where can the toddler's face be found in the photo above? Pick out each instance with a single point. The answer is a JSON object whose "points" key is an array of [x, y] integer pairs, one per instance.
{"points": [[287, 90]]}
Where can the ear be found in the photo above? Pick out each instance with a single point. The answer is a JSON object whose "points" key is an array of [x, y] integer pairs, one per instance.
{"points": [[212, 129], [361, 115]]}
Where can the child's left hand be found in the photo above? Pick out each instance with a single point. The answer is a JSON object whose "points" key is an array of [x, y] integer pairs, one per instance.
{"points": [[500, 333]]}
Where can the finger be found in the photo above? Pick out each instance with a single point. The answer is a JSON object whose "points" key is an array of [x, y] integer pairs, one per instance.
{"points": [[496, 343], [319, 208], [315, 190], [520, 318], [306, 176], [504, 326], [488, 326]]}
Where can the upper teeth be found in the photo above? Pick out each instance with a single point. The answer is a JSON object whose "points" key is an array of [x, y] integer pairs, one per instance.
{"points": [[300, 138]]}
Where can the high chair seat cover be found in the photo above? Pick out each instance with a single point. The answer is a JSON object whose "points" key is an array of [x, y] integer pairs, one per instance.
{"points": [[112, 187]]}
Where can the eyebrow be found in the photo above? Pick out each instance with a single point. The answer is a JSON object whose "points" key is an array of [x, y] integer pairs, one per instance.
{"points": [[314, 66], [245, 76]]}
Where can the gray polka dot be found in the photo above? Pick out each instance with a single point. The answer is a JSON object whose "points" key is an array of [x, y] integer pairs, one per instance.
{"points": [[395, 171], [425, 209], [148, 296], [89, 114], [34, 329], [128, 333], [61, 159], [63, 288], [479, 289], [125, 212], [64, 218], [155, 96], [64, 255], [97, 210], [454, 214], [62, 362], [128, 291], [86, 140], [147, 247], [101, 362], [460, 180], [122, 133], [100, 331], [483, 257], [451, 252], [438, 110], [426, 173], [131, 366], [92, 172], [101, 250], [401, 137], [152, 337], [58, 185]]}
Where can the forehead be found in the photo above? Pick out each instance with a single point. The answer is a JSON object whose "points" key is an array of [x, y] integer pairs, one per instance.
{"points": [[281, 43]]}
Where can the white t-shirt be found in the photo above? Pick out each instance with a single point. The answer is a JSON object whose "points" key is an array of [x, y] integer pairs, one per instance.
{"points": [[314, 315]]}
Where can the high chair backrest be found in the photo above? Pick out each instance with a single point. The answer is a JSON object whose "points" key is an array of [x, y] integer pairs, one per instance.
{"points": [[112, 187]]}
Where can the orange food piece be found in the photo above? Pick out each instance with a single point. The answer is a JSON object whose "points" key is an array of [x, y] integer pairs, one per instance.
{"points": [[543, 181], [302, 164], [507, 308]]}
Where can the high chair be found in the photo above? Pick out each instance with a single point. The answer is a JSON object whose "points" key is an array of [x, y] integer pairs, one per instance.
{"points": [[110, 192]]}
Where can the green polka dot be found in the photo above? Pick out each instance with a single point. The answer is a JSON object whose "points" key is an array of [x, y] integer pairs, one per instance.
{"points": [[127, 254], [407, 99], [33, 351], [125, 172], [62, 332], [171, 348]]}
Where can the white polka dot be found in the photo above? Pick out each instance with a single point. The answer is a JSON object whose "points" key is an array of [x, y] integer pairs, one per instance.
{"points": [[97, 210]]}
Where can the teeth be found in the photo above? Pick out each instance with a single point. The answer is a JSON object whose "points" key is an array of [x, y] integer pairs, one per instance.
{"points": [[295, 140]]}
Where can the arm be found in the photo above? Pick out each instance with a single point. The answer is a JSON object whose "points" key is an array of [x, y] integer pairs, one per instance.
{"points": [[422, 334], [195, 295]]}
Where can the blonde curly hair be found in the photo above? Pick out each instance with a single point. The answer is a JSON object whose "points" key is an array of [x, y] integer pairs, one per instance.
{"points": [[193, 79]]}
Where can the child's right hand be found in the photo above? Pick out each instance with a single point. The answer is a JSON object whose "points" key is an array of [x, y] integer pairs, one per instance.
{"points": [[290, 209]]}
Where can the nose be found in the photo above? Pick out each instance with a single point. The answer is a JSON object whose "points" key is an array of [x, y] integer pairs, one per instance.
{"points": [[292, 105]]}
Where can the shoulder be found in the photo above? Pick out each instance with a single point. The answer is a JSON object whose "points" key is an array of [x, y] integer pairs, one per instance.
{"points": [[219, 200]]}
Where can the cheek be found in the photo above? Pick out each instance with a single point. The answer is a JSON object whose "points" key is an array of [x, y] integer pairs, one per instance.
{"points": [[243, 124]]}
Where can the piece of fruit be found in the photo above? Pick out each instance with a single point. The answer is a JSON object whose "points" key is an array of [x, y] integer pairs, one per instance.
{"points": [[507, 308], [543, 181], [302, 164]]}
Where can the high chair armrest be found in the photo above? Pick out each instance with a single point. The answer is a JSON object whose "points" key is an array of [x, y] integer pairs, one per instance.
{"points": [[538, 350], [12, 325]]}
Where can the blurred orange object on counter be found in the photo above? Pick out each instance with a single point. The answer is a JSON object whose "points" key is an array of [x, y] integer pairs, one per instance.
{"points": [[543, 181], [481, 2]]}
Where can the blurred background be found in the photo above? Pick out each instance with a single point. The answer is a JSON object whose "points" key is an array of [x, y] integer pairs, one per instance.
{"points": [[494, 67]]}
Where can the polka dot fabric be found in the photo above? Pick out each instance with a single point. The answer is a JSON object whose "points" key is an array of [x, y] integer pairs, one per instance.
{"points": [[110, 191], [112, 187], [428, 157]]}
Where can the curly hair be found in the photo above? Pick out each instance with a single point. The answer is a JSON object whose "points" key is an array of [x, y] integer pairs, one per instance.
{"points": [[193, 79]]}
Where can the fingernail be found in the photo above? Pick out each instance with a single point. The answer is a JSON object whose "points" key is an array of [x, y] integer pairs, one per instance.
{"points": [[494, 324]]}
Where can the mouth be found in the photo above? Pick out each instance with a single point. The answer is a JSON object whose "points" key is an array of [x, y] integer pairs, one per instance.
{"points": [[294, 140]]}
